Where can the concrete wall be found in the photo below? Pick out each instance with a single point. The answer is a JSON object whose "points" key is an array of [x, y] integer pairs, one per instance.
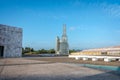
{"points": [[98, 53], [11, 39]]}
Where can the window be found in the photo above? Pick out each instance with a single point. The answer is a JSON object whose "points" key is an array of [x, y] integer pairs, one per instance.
{"points": [[103, 53]]}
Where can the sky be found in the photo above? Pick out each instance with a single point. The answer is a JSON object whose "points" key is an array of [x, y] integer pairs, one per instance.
{"points": [[90, 23]]}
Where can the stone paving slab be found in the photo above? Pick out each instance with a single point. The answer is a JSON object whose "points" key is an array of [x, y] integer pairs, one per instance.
{"points": [[43, 70], [72, 60]]}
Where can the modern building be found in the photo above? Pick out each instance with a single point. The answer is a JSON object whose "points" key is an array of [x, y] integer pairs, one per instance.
{"points": [[107, 54], [109, 51], [10, 41], [62, 46]]}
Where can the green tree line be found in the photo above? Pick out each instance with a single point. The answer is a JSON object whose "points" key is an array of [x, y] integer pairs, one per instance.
{"points": [[29, 50], [32, 51]]}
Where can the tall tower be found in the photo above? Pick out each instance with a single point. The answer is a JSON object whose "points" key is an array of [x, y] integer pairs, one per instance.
{"points": [[64, 47], [64, 36]]}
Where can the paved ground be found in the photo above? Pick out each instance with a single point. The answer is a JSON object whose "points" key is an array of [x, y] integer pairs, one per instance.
{"points": [[72, 60], [26, 69]]}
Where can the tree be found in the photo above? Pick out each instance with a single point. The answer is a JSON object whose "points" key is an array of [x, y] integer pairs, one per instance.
{"points": [[27, 49], [32, 50], [51, 51], [41, 51], [23, 51], [73, 50]]}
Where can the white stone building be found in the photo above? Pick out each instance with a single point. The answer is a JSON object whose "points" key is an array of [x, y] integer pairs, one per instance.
{"points": [[62, 46], [10, 41]]}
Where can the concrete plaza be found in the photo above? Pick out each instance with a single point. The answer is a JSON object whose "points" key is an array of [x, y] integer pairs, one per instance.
{"points": [[28, 69]]}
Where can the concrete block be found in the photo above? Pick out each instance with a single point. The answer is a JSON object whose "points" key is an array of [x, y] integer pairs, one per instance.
{"points": [[107, 60], [85, 58], [94, 59], [77, 58]]}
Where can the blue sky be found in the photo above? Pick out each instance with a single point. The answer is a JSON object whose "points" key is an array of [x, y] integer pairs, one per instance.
{"points": [[90, 23]]}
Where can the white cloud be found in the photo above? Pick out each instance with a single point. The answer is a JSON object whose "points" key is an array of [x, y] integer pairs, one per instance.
{"points": [[111, 9], [80, 28], [72, 28]]}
